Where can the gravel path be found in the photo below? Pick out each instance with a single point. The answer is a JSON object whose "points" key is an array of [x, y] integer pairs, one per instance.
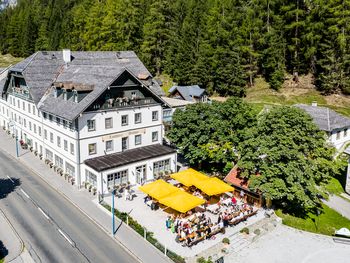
{"points": [[339, 204]]}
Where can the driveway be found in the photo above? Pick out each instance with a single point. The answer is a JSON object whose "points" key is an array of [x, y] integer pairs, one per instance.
{"points": [[339, 204], [288, 245]]}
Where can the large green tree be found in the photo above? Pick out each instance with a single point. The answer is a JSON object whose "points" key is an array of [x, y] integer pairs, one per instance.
{"points": [[208, 134], [287, 158]]}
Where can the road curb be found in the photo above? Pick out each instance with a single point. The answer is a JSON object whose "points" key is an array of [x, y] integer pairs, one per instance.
{"points": [[16, 234], [75, 205]]}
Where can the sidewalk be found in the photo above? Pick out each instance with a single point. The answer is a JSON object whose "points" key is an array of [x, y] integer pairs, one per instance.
{"points": [[125, 236], [15, 251], [339, 204]]}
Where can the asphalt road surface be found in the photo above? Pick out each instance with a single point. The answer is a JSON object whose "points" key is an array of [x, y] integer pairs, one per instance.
{"points": [[53, 230]]}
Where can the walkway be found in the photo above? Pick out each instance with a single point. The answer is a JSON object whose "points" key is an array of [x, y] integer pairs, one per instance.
{"points": [[125, 236], [12, 244], [339, 204]]}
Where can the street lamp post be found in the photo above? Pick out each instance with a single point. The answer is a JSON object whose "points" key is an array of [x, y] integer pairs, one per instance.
{"points": [[113, 220]]}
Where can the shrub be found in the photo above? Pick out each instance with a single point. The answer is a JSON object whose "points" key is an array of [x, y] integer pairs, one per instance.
{"points": [[245, 230], [225, 240], [257, 231]]}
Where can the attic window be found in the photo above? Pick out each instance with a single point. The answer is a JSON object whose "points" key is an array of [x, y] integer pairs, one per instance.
{"points": [[75, 96]]}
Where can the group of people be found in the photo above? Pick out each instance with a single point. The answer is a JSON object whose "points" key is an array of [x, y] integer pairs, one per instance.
{"points": [[234, 214]]}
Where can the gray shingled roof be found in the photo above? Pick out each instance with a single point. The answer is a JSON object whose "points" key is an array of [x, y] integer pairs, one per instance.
{"points": [[98, 68], [187, 92], [325, 118], [115, 160]]}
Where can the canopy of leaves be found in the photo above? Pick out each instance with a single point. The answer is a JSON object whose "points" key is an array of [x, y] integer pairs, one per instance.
{"points": [[208, 134], [219, 44], [286, 157]]}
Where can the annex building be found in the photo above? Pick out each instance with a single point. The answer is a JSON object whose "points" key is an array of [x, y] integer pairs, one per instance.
{"points": [[95, 115]]}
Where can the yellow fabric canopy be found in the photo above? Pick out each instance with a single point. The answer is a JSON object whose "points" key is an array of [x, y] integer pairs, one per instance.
{"points": [[181, 201], [158, 189], [189, 177], [213, 186]]}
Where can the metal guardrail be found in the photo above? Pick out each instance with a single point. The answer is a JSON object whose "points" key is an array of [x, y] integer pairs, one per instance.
{"points": [[342, 240]]}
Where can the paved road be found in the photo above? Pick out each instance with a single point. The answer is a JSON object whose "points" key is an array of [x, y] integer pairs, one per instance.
{"points": [[339, 204], [66, 235]]}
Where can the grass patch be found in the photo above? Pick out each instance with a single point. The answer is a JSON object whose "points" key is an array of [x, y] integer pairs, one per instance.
{"points": [[7, 60], [326, 223], [167, 82], [334, 187], [262, 94]]}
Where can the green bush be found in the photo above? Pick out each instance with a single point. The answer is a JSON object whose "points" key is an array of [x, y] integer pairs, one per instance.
{"points": [[245, 230], [203, 260], [225, 240], [149, 235]]}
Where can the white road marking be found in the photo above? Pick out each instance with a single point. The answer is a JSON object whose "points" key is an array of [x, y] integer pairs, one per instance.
{"points": [[10, 179], [25, 193], [47, 217], [64, 235]]}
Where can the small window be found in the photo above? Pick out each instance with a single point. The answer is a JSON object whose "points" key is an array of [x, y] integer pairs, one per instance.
{"points": [[154, 136], [92, 148], [154, 115], [30, 124], [58, 141], [65, 145], [108, 123], [25, 123], [44, 115], [34, 126], [124, 143], [58, 120], [23, 105], [39, 130], [124, 120], [138, 117], [51, 137], [138, 139], [50, 117], [33, 109], [91, 125], [72, 148], [30, 108], [45, 134], [109, 146]]}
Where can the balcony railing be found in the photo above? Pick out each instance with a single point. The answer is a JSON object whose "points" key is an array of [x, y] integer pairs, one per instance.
{"points": [[126, 102]]}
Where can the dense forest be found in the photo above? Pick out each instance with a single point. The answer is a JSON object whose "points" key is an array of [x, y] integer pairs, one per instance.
{"points": [[220, 44]]}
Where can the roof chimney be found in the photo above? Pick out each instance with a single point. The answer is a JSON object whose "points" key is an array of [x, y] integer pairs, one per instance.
{"points": [[66, 56], [314, 104]]}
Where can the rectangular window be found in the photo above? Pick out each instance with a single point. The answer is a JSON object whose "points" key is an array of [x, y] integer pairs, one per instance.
{"points": [[58, 141], [34, 126], [29, 108], [50, 117], [92, 148], [23, 106], [109, 146], [48, 155], [91, 125], [39, 130], [124, 143], [138, 117], [45, 134], [59, 161], [124, 120], [64, 123], [58, 120], [161, 166], [33, 109], [91, 178], [18, 104], [108, 123], [138, 139], [154, 136], [154, 115], [72, 149], [44, 115], [117, 178], [65, 145], [30, 126], [25, 123], [51, 137]]}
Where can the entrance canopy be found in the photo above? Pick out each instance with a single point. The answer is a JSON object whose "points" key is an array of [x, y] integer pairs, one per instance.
{"points": [[213, 186], [158, 189], [189, 177]]}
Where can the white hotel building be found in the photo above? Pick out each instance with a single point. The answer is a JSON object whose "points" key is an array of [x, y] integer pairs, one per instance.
{"points": [[95, 115]]}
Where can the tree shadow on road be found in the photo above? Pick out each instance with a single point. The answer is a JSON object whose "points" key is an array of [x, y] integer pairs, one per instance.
{"points": [[3, 250], [8, 186]]}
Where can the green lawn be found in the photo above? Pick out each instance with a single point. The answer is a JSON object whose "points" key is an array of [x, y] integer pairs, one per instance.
{"points": [[334, 187], [326, 223], [2, 260], [7, 60], [260, 94]]}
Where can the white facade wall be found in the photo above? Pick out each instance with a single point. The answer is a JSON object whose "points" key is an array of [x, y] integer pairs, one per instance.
{"points": [[102, 176], [338, 138]]}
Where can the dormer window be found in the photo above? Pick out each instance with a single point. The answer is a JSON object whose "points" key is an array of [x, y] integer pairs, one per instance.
{"points": [[75, 96], [64, 94]]}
